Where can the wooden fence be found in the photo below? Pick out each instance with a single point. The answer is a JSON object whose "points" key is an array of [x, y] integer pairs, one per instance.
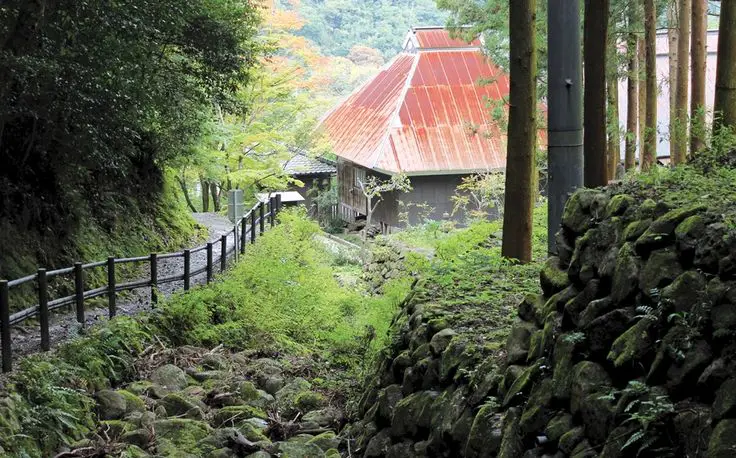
{"points": [[253, 223]]}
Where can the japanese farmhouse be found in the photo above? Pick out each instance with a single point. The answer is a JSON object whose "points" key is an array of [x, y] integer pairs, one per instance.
{"points": [[428, 114]]}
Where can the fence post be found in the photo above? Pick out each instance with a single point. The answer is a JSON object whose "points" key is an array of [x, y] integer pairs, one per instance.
{"points": [[278, 203], [272, 211], [209, 262], [243, 238], [223, 253], [5, 326], [43, 309], [187, 268], [235, 242], [262, 217], [253, 226], [79, 291], [111, 287], [154, 277]]}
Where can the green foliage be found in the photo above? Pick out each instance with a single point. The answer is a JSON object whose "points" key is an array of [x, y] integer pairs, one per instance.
{"points": [[338, 25], [282, 295], [51, 402]]}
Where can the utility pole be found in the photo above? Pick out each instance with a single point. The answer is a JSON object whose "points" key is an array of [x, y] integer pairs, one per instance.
{"points": [[565, 110]]}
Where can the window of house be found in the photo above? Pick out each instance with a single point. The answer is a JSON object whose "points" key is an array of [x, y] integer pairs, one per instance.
{"points": [[359, 177]]}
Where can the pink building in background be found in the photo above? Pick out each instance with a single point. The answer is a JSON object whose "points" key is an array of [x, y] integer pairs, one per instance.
{"points": [[663, 98]]}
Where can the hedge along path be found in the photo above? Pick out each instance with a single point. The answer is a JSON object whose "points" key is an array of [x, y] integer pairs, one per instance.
{"points": [[168, 273]]}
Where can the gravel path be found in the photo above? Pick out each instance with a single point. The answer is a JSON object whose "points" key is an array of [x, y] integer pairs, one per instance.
{"points": [[27, 337]]}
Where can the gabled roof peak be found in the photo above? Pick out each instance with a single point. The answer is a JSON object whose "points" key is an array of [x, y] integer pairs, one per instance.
{"points": [[433, 38]]}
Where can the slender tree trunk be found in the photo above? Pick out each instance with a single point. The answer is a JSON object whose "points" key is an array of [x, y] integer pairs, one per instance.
{"points": [[205, 185], [673, 40], [594, 100], [725, 104], [683, 80], [522, 133], [185, 191], [614, 131], [632, 104], [649, 158], [641, 46], [698, 53], [215, 196]]}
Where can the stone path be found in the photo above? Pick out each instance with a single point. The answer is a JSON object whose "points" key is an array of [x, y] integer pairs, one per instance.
{"points": [[27, 337]]}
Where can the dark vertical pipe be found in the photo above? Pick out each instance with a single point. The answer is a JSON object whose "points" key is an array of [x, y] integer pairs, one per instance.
{"points": [[79, 291], [235, 242], [111, 287], [243, 234], [5, 326], [565, 113], [253, 226], [223, 253], [209, 262], [262, 217], [154, 278], [43, 309], [187, 268], [278, 203]]}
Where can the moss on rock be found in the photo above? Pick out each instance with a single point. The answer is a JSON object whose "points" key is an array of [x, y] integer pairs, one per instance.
{"points": [[552, 277]]}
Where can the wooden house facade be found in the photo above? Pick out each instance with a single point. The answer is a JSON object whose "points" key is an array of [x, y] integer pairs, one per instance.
{"points": [[426, 114]]}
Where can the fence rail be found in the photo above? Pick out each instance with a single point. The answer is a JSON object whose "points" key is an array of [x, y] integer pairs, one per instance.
{"points": [[256, 218]]}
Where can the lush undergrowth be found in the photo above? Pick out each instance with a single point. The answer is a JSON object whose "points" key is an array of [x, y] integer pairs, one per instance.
{"points": [[130, 229], [281, 299]]}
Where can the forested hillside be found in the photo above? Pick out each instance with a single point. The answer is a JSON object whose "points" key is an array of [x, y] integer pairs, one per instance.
{"points": [[338, 25]]}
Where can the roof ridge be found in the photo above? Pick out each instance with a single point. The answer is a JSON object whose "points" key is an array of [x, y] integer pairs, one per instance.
{"points": [[397, 109]]}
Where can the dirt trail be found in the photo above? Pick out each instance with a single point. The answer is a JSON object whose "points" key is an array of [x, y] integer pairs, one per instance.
{"points": [[26, 338]]}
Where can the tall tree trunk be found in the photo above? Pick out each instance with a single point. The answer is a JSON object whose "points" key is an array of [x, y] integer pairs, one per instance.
{"points": [[683, 80], [205, 185], [522, 133], [698, 53], [632, 104], [725, 105], [641, 48], [185, 191], [649, 158], [673, 40], [614, 131], [215, 196], [595, 44]]}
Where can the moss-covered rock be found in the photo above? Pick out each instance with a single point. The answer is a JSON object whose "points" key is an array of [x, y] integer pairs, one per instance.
{"points": [[180, 434], [325, 441], [725, 402], [553, 277], [537, 411], [558, 426], [234, 415], [587, 378], [723, 440], [170, 377], [662, 231], [683, 373], [619, 204], [603, 331], [116, 428], [692, 426], [583, 209], [625, 275], [563, 362], [298, 450], [387, 399], [441, 340], [614, 447], [379, 444], [179, 405], [575, 306], [635, 229], [595, 309], [485, 434], [633, 346], [133, 403], [517, 343], [530, 309], [110, 405], [512, 445], [571, 439], [413, 414], [686, 292], [522, 385], [661, 269]]}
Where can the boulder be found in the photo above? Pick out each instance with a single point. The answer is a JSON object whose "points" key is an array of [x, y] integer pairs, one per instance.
{"points": [[537, 411], [558, 426], [298, 450], [413, 414], [662, 231], [661, 269], [723, 440], [517, 343], [633, 346], [181, 406], [570, 440], [725, 402], [685, 292], [587, 378], [111, 405], [522, 385], [387, 400], [582, 210], [512, 445], [625, 275], [603, 331], [170, 378], [553, 277], [485, 435], [325, 441], [378, 445], [692, 426], [441, 340]]}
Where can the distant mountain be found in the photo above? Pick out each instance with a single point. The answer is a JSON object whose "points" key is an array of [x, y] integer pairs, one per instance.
{"points": [[338, 25]]}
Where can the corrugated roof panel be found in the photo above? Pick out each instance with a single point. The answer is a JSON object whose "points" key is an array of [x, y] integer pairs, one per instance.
{"points": [[440, 38], [424, 113]]}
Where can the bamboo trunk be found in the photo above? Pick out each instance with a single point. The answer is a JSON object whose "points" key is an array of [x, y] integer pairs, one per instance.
{"points": [[614, 132], [673, 39], [642, 56], [649, 158], [522, 133], [698, 53]]}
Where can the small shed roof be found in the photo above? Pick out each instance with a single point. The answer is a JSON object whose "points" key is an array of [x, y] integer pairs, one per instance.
{"points": [[286, 196], [301, 164], [426, 112]]}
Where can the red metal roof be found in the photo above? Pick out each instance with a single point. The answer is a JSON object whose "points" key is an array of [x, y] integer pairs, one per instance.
{"points": [[424, 113], [440, 38]]}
